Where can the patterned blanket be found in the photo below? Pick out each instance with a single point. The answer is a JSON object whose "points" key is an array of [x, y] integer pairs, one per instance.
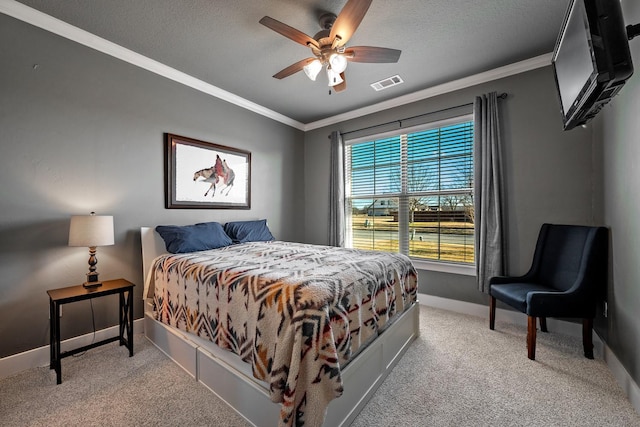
{"points": [[297, 313]]}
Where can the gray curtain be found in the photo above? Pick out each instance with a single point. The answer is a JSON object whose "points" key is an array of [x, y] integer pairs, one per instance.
{"points": [[488, 191], [336, 191]]}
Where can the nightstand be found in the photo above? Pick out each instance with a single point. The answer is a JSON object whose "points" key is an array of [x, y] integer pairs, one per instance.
{"points": [[57, 297]]}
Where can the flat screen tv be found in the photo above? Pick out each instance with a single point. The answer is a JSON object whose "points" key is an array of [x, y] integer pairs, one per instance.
{"points": [[591, 59]]}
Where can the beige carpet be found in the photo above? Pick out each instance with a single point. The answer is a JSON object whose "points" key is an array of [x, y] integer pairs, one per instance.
{"points": [[458, 373]]}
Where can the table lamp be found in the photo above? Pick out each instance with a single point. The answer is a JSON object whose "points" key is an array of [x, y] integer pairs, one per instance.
{"points": [[91, 231]]}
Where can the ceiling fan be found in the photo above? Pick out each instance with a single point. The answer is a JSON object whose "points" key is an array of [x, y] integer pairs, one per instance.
{"points": [[328, 45]]}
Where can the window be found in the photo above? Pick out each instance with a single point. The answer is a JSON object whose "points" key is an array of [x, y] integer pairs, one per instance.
{"points": [[413, 192]]}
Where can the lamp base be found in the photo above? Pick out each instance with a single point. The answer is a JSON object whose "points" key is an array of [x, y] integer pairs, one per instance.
{"points": [[90, 285], [92, 280]]}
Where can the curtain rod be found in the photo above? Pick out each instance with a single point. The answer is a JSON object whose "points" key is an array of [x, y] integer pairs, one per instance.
{"points": [[399, 121]]}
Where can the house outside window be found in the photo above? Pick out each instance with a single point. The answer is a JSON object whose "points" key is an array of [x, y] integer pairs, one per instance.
{"points": [[411, 191]]}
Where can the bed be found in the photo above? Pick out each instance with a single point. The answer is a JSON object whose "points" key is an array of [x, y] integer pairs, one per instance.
{"points": [[285, 333]]}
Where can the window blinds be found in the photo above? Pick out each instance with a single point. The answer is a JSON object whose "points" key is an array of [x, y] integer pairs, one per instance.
{"points": [[413, 184]]}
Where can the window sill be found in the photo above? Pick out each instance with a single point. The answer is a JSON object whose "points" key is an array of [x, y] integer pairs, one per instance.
{"points": [[445, 267]]}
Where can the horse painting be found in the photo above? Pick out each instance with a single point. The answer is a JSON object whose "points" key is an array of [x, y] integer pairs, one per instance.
{"points": [[213, 175]]}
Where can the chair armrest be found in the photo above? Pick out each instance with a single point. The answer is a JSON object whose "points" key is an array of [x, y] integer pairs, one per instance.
{"points": [[560, 304]]}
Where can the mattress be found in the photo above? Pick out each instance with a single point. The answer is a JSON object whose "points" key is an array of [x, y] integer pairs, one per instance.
{"points": [[295, 313]]}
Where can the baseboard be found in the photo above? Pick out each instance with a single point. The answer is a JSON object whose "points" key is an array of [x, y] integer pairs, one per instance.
{"points": [[629, 386], [16, 363], [625, 381]]}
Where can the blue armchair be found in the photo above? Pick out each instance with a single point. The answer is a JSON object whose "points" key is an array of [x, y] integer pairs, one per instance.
{"points": [[566, 279]]}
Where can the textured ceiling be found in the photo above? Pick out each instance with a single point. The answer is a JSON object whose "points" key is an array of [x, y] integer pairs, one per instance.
{"points": [[222, 43]]}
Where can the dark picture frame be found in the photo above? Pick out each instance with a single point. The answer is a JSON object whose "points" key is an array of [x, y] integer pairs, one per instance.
{"points": [[204, 175]]}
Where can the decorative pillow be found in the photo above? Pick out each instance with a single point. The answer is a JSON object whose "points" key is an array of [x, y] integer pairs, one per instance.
{"points": [[192, 238], [248, 231]]}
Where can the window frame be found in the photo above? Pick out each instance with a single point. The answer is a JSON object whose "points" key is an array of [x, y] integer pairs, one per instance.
{"points": [[461, 268]]}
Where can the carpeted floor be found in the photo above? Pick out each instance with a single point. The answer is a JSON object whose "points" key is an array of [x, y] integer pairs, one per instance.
{"points": [[457, 373]]}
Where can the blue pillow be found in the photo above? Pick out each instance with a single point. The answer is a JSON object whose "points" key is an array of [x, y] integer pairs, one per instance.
{"points": [[192, 238], [248, 231]]}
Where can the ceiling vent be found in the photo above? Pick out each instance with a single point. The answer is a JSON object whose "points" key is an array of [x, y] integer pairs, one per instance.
{"points": [[387, 83]]}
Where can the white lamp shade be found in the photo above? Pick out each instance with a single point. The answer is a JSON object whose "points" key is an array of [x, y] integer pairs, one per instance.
{"points": [[91, 230], [338, 62], [312, 69], [334, 78]]}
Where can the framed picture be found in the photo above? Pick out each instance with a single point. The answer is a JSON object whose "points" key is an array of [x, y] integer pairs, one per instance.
{"points": [[203, 175]]}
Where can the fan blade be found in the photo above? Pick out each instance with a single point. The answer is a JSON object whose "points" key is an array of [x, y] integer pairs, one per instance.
{"points": [[341, 86], [289, 32], [348, 20], [293, 68], [372, 54]]}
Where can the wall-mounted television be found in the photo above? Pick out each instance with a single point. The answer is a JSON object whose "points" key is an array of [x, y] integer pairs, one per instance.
{"points": [[591, 59]]}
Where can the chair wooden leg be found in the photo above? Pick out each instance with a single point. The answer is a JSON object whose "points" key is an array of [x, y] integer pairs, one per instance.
{"points": [[492, 313], [531, 337], [587, 338], [543, 324]]}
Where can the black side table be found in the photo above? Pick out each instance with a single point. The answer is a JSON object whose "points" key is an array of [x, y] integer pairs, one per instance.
{"points": [[57, 297]]}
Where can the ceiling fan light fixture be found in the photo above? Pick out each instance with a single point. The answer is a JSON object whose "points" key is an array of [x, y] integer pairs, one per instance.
{"points": [[338, 62], [333, 76], [312, 69], [329, 45]]}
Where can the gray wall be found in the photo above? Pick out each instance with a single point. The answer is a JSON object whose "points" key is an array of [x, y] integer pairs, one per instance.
{"points": [[550, 175], [620, 127], [84, 132]]}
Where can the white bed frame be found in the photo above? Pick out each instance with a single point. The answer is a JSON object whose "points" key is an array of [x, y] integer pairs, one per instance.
{"points": [[230, 379]]}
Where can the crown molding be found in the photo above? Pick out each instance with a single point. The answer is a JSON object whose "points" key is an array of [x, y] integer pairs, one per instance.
{"points": [[63, 29], [46, 22], [487, 76]]}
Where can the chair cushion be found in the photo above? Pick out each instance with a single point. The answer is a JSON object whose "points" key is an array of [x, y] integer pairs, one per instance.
{"points": [[515, 294]]}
